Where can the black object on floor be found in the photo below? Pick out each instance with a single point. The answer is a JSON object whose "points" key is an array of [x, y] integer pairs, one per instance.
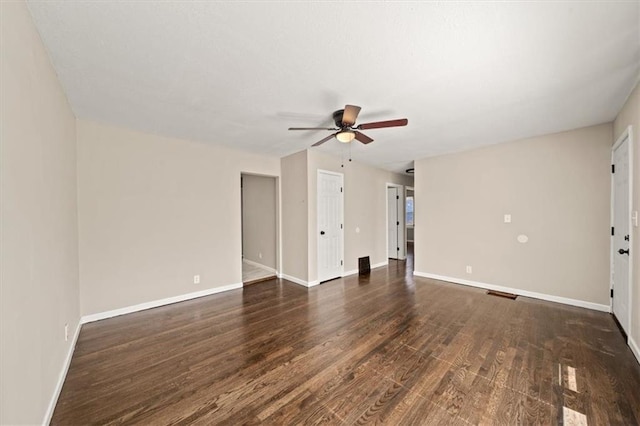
{"points": [[364, 266], [502, 294]]}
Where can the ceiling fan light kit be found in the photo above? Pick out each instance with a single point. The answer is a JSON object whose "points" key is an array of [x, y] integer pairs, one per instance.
{"points": [[347, 131], [345, 136]]}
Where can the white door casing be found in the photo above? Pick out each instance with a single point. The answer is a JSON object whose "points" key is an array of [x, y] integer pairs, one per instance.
{"points": [[621, 238], [330, 225]]}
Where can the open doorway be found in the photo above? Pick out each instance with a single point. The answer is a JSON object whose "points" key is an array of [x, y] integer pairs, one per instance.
{"points": [[259, 228], [409, 221]]}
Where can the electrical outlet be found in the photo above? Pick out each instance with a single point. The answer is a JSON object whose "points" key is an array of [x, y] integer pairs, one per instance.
{"points": [[66, 332], [507, 218], [196, 279], [469, 269]]}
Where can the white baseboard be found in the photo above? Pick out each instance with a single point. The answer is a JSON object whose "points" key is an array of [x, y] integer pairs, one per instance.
{"points": [[316, 282], [156, 303], [116, 312], [259, 265], [298, 280], [379, 265], [525, 293], [634, 348], [62, 377]]}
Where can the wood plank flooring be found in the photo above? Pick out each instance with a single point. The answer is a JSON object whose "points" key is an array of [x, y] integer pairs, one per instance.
{"points": [[387, 349]]}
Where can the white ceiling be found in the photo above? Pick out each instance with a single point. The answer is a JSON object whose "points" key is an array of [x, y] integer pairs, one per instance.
{"points": [[241, 73]]}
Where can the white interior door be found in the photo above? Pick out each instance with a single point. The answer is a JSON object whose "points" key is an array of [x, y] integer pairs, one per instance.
{"points": [[395, 223], [330, 225], [621, 235]]}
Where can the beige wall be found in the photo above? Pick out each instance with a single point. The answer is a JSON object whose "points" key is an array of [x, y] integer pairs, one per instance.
{"points": [[365, 207], [39, 253], [630, 116], [154, 212], [259, 219], [557, 189], [293, 183]]}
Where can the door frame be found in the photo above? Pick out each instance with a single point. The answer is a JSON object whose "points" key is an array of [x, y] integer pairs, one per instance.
{"points": [[407, 189], [341, 233], [626, 135], [400, 188], [278, 206]]}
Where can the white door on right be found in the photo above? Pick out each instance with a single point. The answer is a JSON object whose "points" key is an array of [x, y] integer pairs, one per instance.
{"points": [[621, 235]]}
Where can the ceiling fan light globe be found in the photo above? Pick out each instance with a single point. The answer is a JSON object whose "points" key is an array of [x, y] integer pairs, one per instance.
{"points": [[346, 136]]}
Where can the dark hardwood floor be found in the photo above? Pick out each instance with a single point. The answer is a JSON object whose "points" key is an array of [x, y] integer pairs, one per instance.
{"points": [[388, 348]]}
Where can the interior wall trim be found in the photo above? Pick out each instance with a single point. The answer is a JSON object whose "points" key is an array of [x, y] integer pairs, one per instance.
{"points": [[61, 378], [157, 303], [634, 348], [117, 312], [525, 293], [298, 280]]}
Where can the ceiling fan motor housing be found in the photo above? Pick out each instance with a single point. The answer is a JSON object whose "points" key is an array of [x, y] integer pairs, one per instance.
{"points": [[337, 118]]}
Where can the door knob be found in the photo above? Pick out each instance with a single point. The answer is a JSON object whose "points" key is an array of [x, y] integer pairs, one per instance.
{"points": [[621, 251], [321, 232]]}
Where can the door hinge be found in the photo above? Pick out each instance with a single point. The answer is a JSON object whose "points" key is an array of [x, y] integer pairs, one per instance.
{"points": [[397, 197], [397, 248], [613, 168], [341, 263], [613, 232], [340, 189], [340, 226], [612, 293], [397, 223]]}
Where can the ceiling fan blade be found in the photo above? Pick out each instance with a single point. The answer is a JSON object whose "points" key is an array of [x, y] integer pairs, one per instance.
{"points": [[363, 138], [320, 142], [380, 124], [312, 128], [350, 114]]}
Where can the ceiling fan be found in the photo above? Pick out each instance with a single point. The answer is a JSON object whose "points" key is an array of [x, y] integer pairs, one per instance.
{"points": [[347, 131]]}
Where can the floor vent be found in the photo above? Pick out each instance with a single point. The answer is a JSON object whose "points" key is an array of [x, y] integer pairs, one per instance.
{"points": [[364, 266], [502, 294]]}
